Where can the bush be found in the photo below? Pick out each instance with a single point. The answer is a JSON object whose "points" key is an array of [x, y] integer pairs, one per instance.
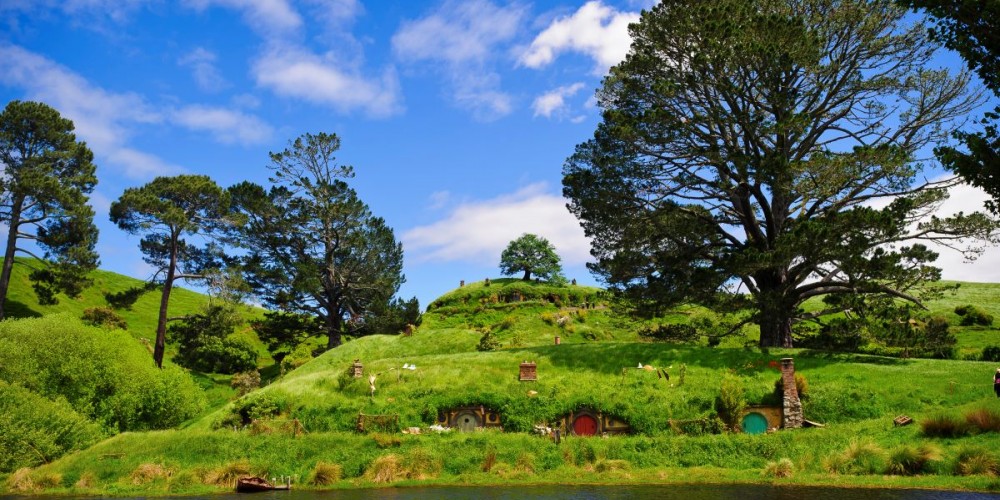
{"points": [[991, 353], [972, 315], [944, 426], [246, 382], [104, 317], [106, 376], [670, 333], [35, 430], [488, 342], [205, 343], [731, 402], [302, 354]]}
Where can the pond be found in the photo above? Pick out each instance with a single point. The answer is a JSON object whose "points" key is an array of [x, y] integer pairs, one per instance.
{"points": [[563, 492]]}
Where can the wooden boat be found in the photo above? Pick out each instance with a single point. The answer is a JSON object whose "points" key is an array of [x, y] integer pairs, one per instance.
{"points": [[250, 484]]}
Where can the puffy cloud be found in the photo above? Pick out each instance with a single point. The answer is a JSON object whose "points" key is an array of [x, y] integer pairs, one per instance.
{"points": [[478, 231], [225, 125], [595, 30], [202, 64], [554, 101], [104, 119], [268, 17], [463, 37], [294, 72], [954, 266]]}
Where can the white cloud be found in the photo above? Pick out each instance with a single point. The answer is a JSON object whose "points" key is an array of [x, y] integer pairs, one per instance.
{"points": [[225, 125], [294, 72], [595, 30], [464, 37], [479, 231], [439, 199], [269, 18], [986, 268], [202, 64], [103, 119], [115, 10], [554, 101]]}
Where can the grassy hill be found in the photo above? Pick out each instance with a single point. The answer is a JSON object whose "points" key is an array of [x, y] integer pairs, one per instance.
{"points": [[593, 367]]}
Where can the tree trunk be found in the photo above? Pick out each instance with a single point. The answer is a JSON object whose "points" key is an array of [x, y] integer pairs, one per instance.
{"points": [[775, 330], [333, 323], [527, 275], [161, 324], [8, 255]]}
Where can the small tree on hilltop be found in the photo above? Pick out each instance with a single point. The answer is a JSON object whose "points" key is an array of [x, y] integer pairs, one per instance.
{"points": [[531, 254]]}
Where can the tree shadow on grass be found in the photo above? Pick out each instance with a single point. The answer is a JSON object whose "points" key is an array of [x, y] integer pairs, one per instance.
{"points": [[13, 309]]}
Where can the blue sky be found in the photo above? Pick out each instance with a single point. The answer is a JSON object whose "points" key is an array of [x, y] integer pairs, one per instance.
{"points": [[456, 115]]}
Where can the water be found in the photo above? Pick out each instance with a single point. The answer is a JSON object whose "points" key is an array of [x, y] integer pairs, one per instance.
{"points": [[559, 492]]}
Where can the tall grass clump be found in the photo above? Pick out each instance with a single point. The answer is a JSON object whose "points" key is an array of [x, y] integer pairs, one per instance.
{"points": [[147, 473], [909, 460], [944, 425], [975, 461], [781, 469], [860, 457], [731, 402], [983, 419], [227, 474], [325, 474], [386, 469]]}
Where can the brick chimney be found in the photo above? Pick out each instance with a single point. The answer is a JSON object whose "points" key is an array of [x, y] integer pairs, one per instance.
{"points": [[791, 406]]}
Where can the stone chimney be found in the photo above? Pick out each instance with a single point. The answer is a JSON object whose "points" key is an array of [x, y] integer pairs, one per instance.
{"points": [[791, 407]]}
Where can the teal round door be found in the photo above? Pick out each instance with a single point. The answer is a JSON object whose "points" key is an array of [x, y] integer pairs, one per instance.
{"points": [[754, 423]]}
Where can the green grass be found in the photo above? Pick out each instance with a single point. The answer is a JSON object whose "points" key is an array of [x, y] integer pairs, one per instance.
{"points": [[856, 396]]}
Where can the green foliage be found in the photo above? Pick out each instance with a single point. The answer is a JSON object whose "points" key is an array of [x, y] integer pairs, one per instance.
{"points": [[47, 175], [313, 246], [298, 357], [677, 215], [205, 342], [991, 353], [488, 342], [731, 402], [671, 332], [167, 211], [531, 255], [246, 382], [36, 430], [908, 460], [972, 315], [104, 375], [390, 317], [284, 332], [104, 317], [976, 460], [860, 457]]}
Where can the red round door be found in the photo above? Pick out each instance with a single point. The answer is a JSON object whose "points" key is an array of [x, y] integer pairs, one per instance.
{"points": [[585, 425]]}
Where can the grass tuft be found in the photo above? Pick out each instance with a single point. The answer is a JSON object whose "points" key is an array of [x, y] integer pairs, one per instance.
{"points": [[325, 474], [984, 419], [944, 426], [909, 460], [226, 475], [147, 473], [21, 480], [386, 469], [976, 461], [781, 469]]}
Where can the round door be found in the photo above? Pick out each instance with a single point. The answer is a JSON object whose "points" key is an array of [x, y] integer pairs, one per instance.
{"points": [[585, 425], [754, 423], [467, 421]]}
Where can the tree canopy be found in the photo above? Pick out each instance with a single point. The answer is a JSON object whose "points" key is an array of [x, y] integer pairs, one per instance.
{"points": [[313, 246], [776, 148], [973, 30], [47, 175], [531, 255], [175, 215]]}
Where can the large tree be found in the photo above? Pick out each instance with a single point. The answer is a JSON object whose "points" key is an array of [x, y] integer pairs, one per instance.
{"points": [[178, 217], [972, 28], [774, 147], [531, 254], [47, 175], [313, 246]]}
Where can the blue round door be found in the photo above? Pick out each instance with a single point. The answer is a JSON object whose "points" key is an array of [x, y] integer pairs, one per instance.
{"points": [[754, 423]]}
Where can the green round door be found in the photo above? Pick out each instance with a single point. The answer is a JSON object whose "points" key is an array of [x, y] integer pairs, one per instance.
{"points": [[467, 421], [754, 423]]}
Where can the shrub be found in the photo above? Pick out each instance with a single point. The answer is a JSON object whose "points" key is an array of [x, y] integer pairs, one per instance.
{"points": [[34, 430], [87, 481], [779, 470], [991, 353], [325, 474], [908, 460], [205, 343], [488, 342], [984, 419], [104, 317], [972, 315], [975, 460], [106, 376], [731, 402], [944, 426], [801, 385], [247, 382], [670, 333], [21, 480], [302, 354], [255, 406]]}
